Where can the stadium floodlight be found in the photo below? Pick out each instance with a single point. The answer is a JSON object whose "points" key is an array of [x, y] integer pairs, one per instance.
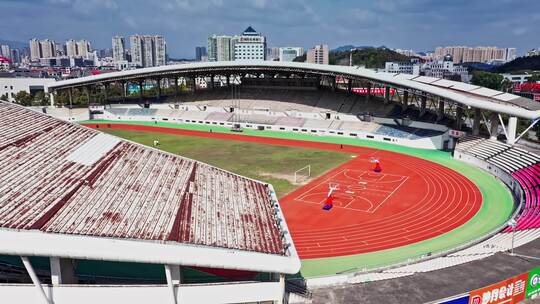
{"points": [[512, 223]]}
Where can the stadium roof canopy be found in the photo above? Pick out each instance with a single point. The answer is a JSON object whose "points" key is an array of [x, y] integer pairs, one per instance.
{"points": [[70, 191], [462, 93]]}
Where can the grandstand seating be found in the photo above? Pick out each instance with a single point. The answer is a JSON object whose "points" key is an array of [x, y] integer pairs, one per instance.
{"points": [[274, 117], [62, 178], [529, 179], [300, 100], [522, 165]]}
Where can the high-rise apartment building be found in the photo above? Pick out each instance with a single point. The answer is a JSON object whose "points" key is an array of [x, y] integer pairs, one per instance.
{"points": [[71, 48], [272, 53], [160, 50], [462, 54], [83, 49], [119, 49], [148, 51], [136, 48], [219, 48], [318, 54], [5, 51], [200, 53], [35, 49], [290, 53], [47, 49]]}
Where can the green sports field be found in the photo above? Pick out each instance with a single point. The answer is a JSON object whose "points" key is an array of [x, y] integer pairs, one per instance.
{"points": [[496, 208]]}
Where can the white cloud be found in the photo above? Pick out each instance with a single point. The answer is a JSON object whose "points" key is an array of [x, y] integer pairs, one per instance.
{"points": [[520, 31]]}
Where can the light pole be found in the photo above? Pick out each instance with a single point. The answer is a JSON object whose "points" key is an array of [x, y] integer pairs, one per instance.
{"points": [[350, 55], [512, 224]]}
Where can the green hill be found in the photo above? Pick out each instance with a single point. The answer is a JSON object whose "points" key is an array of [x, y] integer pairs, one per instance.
{"points": [[368, 57], [520, 64]]}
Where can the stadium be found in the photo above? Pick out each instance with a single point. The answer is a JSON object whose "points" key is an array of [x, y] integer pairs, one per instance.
{"points": [[206, 182]]}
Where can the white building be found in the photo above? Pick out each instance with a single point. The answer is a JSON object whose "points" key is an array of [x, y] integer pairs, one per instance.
{"points": [[47, 49], [533, 52], [517, 78], [290, 53], [83, 49], [446, 69], [11, 86], [318, 54], [5, 51], [71, 48], [160, 51], [511, 54], [251, 45], [136, 47], [148, 51], [412, 68], [119, 49]]}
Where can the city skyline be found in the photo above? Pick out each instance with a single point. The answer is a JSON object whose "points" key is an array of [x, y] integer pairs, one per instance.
{"points": [[284, 23]]}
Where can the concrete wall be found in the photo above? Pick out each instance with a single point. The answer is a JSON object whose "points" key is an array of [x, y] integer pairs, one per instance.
{"points": [[134, 294], [12, 86]]}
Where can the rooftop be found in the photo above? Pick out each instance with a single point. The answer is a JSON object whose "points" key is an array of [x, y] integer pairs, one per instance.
{"points": [[63, 179]]}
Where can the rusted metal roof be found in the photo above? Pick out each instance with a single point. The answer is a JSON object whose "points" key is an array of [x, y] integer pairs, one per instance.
{"points": [[129, 192]]}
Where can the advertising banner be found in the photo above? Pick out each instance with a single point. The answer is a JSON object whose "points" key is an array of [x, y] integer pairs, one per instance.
{"points": [[508, 292], [373, 91], [456, 133], [533, 284], [459, 300]]}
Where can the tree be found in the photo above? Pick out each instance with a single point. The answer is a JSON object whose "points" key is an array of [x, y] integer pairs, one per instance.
{"points": [[23, 98], [535, 77], [4, 97], [41, 98], [488, 80], [506, 85]]}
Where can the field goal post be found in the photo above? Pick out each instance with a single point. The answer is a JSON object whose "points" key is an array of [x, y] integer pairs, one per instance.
{"points": [[303, 173]]}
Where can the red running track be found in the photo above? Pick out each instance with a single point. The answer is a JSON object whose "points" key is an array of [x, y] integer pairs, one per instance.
{"points": [[411, 200]]}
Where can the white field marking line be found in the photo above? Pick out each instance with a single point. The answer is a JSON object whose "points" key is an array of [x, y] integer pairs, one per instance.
{"points": [[326, 181], [374, 190], [344, 171], [378, 181], [369, 201], [336, 206], [395, 189], [401, 218]]}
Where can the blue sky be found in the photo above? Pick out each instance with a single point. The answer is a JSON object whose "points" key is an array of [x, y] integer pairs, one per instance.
{"points": [[408, 24]]}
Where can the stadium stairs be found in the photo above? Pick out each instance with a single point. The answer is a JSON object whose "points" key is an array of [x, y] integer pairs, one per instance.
{"points": [[523, 166]]}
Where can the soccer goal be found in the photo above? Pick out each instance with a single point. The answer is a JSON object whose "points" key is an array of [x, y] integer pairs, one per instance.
{"points": [[302, 174]]}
